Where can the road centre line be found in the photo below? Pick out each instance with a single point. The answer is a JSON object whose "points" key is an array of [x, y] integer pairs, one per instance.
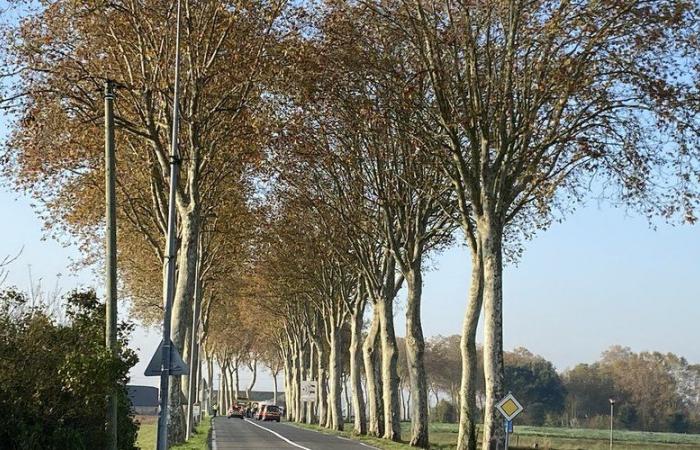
{"points": [[278, 435]]}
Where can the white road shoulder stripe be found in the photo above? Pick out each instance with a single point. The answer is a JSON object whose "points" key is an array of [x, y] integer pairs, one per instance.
{"points": [[278, 435], [213, 435], [357, 442]]}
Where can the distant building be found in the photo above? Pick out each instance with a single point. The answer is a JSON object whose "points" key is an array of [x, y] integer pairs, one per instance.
{"points": [[144, 399]]}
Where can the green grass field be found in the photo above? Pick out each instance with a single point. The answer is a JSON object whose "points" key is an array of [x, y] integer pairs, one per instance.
{"points": [[444, 436], [146, 439]]}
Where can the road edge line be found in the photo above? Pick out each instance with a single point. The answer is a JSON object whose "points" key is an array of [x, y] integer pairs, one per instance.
{"points": [[288, 441], [356, 441], [213, 435]]}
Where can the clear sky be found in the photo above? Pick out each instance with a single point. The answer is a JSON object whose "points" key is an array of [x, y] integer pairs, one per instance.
{"points": [[598, 279]]}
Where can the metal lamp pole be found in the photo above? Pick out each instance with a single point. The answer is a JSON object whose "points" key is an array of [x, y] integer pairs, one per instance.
{"points": [[612, 413], [162, 442]]}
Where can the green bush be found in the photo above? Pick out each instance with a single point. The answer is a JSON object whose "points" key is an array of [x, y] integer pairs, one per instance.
{"points": [[55, 376], [445, 412]]}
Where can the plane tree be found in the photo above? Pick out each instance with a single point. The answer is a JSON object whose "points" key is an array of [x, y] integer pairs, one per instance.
{"points": [[59, 56], [363, 160], [528, 105]]}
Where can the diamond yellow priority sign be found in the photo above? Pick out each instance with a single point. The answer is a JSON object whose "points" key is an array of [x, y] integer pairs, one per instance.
{"points": [[509, 407]]}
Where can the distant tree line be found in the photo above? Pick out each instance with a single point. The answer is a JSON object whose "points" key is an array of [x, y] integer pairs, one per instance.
{"points": [[652, 391]]}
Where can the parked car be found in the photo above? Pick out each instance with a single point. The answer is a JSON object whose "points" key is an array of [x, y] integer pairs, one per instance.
{"points": [[270, 412]]}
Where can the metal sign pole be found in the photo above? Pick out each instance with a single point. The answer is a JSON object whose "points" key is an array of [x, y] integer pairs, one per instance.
{"points": [[162, 442], [508, 424]]}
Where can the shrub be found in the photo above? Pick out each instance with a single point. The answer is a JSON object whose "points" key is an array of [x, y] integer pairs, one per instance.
{"points": [[55, 377]]}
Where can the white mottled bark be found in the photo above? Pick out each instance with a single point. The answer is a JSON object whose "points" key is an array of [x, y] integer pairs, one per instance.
{"points": [[390, 377], [467, 435], [490, 240], [415, 350], [370, 348], [311, 375], [181, 321], [334, 374], [321, 383], [253, 366], [358, 403]]}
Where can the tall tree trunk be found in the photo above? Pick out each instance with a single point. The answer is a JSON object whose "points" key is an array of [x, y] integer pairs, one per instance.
{"points": [[181, 319], [415, 350], [274, 392], [223, 406], [220, 394], [403, 404], [390, 377], [287, 387], [348, 405], [321, 384], [328, 421], [234, 375], [370, 348], [194, 344], [288, 390], [253, 366], [467, 435], [233, 381], [210, 380], [311, 375], [334, 373], [408, 405], [358, 402], [301, 361], [490, 235]]}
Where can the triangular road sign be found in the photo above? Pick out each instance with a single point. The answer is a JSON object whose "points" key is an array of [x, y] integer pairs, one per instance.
{"points": [[177, 365]]}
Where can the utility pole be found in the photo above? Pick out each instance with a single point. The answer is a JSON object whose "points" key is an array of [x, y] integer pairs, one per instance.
{"points": [[171, 254], [111, 254]]}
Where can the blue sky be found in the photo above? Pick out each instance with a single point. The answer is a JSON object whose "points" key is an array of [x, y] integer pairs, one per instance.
{"points": [[598, 279]]}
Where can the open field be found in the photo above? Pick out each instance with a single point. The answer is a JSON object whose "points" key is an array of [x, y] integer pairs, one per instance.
{"points": [[444, 436], [147, 435]]}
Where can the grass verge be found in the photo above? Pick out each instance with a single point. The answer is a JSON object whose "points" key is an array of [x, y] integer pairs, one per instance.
{"points": [[444, 437], [373, 441], [146, 438]]}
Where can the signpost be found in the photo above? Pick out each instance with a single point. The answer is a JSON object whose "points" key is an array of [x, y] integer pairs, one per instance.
{"points": [[177, 365], [509, 407], [308, 391]]}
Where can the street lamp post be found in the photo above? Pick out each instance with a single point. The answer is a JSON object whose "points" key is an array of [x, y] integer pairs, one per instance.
{"points": [[170, 255], [612, 413]]}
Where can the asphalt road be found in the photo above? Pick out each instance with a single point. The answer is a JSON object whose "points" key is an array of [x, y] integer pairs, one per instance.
{"points": [[230, 434]]}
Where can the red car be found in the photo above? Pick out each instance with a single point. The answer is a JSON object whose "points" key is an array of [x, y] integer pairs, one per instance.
{"points": [[270, 412], [235, 411]]}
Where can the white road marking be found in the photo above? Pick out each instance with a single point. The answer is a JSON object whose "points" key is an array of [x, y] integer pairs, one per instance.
{"points": [[355, 441], [213, 436], [278, 435]]}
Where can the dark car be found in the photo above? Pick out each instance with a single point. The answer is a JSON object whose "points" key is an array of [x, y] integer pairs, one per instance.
{"points": [[271, 412]]}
